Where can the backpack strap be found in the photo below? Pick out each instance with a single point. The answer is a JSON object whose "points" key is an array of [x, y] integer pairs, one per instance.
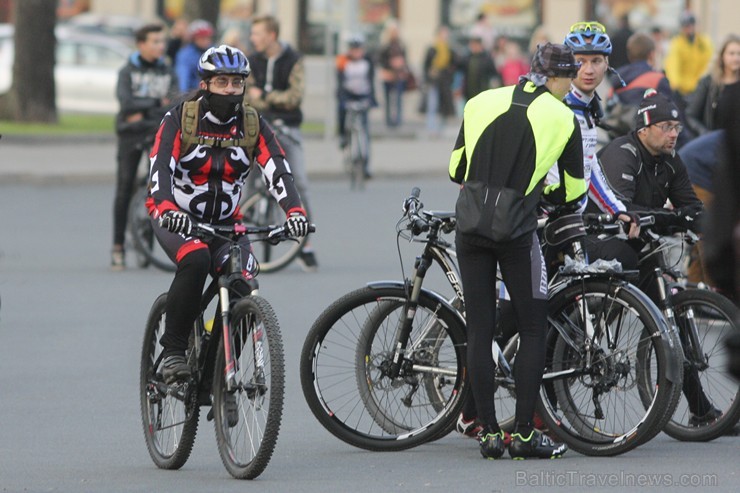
{"points": [[189, 123], [189, 130], [251, 130]]}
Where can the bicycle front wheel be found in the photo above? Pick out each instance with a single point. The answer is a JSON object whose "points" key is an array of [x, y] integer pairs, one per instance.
{"points": [[261, 209], [169, 413], [146, 247], [346, 370], [248, 410], [713, 318], [595, 396]]}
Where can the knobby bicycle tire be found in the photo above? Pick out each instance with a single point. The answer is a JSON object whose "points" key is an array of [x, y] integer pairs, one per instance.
{"points": [[715, 318], [344, 377], [640, 358], [169, 413], [261, 209], [247, 419], [147, 249]]}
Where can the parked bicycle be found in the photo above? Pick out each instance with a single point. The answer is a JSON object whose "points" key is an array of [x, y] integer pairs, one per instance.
{"points": [[357, 150], [236, 364], [383, 367], [710, 405], [140, 233], [259, 209]]}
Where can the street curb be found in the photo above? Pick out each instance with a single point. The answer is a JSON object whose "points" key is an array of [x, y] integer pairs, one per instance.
{"points": [[377, 132], [11, 179]]}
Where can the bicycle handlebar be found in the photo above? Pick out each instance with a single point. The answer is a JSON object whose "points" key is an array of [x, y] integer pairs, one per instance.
{"points": [[273, 233]]}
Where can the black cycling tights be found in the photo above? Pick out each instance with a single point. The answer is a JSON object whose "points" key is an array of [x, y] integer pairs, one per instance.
{"points": [[183, 299], [523, 272]]}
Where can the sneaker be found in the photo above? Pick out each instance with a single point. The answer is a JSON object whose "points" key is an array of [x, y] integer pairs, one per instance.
{"points": [[537, 445], [706, 419], [307, 260], [175, 368], [469, 428], [492, 445], [117, 260]]}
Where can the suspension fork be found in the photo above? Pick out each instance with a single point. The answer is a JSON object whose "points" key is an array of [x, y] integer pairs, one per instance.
{"points": [[233, 270], [688, 333], [409, 311], [224, 300]]}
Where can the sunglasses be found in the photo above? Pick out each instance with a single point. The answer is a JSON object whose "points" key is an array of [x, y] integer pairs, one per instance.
{"points": [[667, 128], [223, 82], [592, 26]]}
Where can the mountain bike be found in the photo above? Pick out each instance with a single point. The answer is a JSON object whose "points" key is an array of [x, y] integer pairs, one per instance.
{"points": [[357, 150], [259, 208], [237, 368], [704, 319], [383, 367]]}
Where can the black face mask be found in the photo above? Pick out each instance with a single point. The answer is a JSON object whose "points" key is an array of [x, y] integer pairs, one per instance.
{"points": [[224, 106]]}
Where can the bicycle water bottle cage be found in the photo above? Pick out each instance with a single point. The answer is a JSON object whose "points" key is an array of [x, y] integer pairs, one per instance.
{"points": [[564, 229]]}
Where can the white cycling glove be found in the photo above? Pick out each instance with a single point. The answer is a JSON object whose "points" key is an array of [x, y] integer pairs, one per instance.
{"points": [[176, 222], [297, 224]]}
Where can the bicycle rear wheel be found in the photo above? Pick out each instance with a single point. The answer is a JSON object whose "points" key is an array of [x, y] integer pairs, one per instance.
{"points": [[248, 416], [597, 402], [169, 413], [261, 209], [358, 157], [147, 248], [715, 318], [345, 365]]}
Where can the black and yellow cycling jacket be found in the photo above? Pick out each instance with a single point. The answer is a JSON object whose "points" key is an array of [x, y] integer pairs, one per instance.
{"points": [[511, 136]]}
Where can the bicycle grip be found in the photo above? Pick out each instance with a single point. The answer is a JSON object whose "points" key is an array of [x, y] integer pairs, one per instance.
{"points": [[647, 220]]}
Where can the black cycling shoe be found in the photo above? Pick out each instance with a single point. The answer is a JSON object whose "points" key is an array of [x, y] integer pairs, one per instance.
{"points": [[175, 368], [706, 419], [232, 410], [492, 445], [537, 445]]}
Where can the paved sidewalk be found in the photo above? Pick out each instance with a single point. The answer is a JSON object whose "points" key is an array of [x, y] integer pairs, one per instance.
{"points": [[74, 159]]}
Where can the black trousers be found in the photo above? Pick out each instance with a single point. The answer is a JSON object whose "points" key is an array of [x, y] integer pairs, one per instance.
{"points": [[130, 148], [523, 271]]}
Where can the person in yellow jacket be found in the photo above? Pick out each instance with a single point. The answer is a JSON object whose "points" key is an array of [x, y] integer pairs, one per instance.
{"points": [[688, 56], [509, 139]]}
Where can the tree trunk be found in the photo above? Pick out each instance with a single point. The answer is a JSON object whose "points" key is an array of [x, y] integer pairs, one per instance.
{"points": [[31, 97], [202, 9]]}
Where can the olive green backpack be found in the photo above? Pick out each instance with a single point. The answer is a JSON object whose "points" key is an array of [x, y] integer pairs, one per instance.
{"points": [[191, 116]]}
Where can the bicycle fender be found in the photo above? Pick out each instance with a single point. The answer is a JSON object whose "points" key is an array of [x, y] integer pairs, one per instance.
{"points": [[424, 292], [674, 368]]}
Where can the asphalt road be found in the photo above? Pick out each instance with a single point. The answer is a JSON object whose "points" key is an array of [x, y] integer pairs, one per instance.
{"points": [[70, 336]]}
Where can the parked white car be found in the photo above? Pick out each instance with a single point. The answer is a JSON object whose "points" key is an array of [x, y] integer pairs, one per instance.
{"points": [[86, 70]]}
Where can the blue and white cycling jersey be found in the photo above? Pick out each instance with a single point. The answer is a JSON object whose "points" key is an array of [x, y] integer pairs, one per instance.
{"points": [[598, 188]]}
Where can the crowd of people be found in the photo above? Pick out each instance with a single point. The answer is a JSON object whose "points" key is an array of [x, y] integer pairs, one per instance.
{"points": [[509, 139], [547, 104]]}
